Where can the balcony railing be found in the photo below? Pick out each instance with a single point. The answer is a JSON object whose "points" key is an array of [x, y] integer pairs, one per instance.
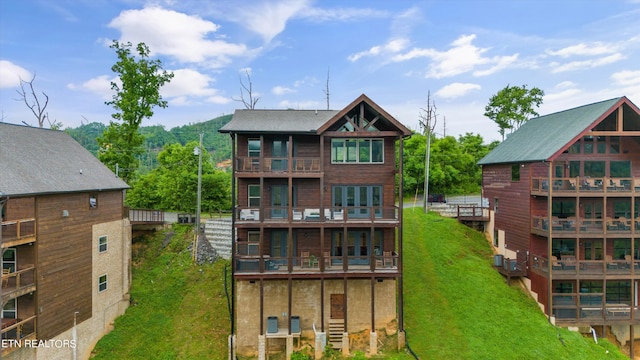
{"points": [[540, 225], [277, 165], [588, 185], [18, 282], [590, 307], [302, 215], [569, 265], [312, 263], [16, 232], [15, 331]]}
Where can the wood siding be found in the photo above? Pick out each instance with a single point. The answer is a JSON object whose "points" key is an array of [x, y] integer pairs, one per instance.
{"points": [[64, 253], [513, 203]]}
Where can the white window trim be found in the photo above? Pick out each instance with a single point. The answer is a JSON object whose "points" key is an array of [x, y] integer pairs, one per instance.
{"points": [[106, 283], [106, 244]]}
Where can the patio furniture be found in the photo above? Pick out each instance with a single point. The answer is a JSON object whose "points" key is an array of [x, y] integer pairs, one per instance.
{"points": [[555, 265], [246, 214], [610, 263]]}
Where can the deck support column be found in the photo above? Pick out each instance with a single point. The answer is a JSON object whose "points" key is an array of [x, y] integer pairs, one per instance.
{"points": [[320, 344], [262, 347], [289, 345], [345, 343], [402, 340], [373, 343]]}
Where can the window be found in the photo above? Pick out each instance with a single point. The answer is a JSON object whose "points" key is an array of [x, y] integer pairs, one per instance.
{"points": [[574, 168], [102, 283], [621, 247], [254, 195], [254, 242], [563, 247], [621, 208], [102, 243], [618, 292], [594, 168], [495, 237], [9, 259], [588, 144], [515, 172], [9, 311], [360, 200], [563, 208], [253, 148], [620, 169], [93, 201], [563, 287], [614, 145], [601, 146], [363, 151], [495, 205], [575, 148]]}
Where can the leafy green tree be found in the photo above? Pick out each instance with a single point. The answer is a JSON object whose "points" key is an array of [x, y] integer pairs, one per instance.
{"points": [[173, 184], [512, 106], [137, 93]]}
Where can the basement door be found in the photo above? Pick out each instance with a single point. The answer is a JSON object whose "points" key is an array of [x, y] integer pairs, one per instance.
{"points": [[337, 306]]}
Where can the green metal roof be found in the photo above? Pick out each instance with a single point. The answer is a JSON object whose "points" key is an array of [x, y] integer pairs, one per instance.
{"points": [[540, 138]]}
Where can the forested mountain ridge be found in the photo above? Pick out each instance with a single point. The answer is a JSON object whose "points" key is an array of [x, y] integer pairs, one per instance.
{"points": [[156, 137]]}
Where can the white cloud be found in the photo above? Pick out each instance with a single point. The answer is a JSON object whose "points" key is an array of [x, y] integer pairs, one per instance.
{"points": [[175, 34], [318, 15], [188, 82], [583, 49], [269, 18], [100, 85], [627, 77], [456, 90], [281, 90], [565, 85], [462, 57], [391, 47], [586, 64], [11, 74]]}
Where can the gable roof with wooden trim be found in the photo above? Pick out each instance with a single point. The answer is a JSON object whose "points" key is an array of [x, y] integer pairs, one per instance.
{"points": [[313, 122], [35, 161], [545, 137]]}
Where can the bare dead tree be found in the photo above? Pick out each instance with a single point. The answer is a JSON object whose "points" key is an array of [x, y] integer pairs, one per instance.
{"points": [[326, 90], [30, 98], [251, 102]]}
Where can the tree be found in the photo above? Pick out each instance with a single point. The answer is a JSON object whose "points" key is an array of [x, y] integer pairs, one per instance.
{"points": [[173, 184], [512, 106], [253, 100], [137, 93], [38, 106]]}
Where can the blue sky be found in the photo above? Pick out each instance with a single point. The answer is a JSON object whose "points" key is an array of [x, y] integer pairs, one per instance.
{"points": [[462, 52]]}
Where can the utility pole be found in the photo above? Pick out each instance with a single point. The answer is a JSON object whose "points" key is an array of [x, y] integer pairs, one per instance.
{"points": [[198, 151], [427, 120]]}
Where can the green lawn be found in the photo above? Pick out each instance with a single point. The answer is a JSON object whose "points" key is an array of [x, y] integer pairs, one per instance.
{"points": [[456, 305]]}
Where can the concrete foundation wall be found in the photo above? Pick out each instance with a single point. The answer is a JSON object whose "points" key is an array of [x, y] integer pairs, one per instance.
{"points": [[306, 303]]}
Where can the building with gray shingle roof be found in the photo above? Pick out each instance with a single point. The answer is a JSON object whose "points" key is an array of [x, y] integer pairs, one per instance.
{"points": [[42, 161]]}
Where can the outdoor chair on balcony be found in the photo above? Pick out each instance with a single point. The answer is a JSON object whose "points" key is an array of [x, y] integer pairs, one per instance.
{"points": [[610, 263], [300, 165], [555, 265], [305, 259], [327, 259], [387, 259], [297, 215], [628, 261], [338, 215]]}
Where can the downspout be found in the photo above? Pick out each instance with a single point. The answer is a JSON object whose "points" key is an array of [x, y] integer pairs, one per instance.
{"points": [[233, 244], [549, 243]]}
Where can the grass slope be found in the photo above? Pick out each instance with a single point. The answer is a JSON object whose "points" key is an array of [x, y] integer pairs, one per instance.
{"points": [[458, 307], [179, 310]]}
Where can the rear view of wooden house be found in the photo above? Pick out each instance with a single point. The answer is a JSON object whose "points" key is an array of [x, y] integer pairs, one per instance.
{"points": [[317, 227]]}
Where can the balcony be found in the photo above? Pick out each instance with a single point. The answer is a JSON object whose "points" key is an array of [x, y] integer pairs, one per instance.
{"points": [[266, 166], [302, 216], [18, 232], [314, 264], [590, 307], [567, 266], [571, 225], [585, 186], [18, 283], [15, 331]]}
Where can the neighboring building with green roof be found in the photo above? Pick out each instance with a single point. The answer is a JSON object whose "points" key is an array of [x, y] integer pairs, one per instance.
{"points": [[564, 196]]}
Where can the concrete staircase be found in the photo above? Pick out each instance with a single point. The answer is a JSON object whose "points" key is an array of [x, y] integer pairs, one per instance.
{"points": [[336, 329], [218, 233]]}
